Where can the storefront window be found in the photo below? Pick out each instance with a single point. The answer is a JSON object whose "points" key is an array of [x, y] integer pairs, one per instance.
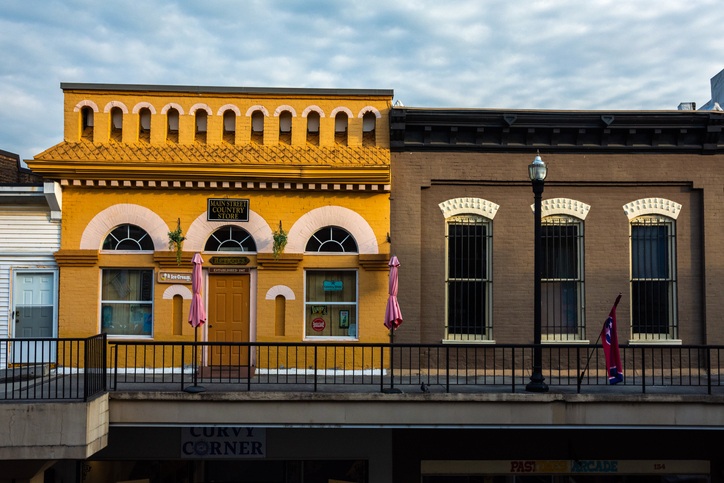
{"points": [[331, 303], [127, 302]]}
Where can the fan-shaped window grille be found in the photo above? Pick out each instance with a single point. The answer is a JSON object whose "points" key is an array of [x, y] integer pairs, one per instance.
{"points": [[128, 237], [230, 239], [332, 239]]}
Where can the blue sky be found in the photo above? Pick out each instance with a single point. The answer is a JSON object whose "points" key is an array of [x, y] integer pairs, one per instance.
{"points": [[558, 54]]}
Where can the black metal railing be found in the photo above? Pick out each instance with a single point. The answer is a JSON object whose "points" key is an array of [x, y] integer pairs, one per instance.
{"points": [[53, 369], [418, 367]]}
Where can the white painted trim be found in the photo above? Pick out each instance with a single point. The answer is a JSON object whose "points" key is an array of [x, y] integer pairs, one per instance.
{"points": [[283, 108], [181, 290], [461, 206], [170, 105], [257, 107], [82, 104], [118, 104], [563, 206], [141, 105], [308, 224], [198, 106], [367, 109], [337, 110], [115, 215], [227, 107], [314, 108], [652, 206], [201, 229], [282, 290]]}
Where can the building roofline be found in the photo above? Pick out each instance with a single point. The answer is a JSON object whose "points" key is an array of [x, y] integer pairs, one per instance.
{"points": [[228, 90]]}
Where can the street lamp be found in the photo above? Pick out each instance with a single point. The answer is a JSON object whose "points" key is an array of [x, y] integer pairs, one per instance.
{"points": [[537, 172]]}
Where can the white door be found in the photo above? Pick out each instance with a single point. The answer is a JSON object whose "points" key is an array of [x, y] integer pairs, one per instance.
{"points": [[33, 317]]}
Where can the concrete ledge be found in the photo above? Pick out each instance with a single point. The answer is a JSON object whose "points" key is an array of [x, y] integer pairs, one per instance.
{"points": [[53, 430]]}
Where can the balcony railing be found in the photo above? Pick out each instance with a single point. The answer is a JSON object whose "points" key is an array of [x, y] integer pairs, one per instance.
{"points": [[53, 369], [79, 369]]}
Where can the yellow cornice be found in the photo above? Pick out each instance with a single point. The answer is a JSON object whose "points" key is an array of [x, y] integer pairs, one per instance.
{"points": [[208, 171]]}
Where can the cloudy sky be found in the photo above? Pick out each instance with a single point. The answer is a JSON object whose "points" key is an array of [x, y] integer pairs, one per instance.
{"points": [[547, 54]]}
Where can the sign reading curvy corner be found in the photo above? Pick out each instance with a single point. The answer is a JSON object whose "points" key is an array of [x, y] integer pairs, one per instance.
{"points": [[231, 442], [227, 209]]}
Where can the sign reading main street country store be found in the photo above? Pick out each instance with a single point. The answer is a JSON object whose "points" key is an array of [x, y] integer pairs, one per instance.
{"points": [[227, 209], [203, 442]]}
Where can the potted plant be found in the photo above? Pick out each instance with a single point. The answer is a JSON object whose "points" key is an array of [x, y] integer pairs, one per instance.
{"points": [[280, 241], [175, 239]]}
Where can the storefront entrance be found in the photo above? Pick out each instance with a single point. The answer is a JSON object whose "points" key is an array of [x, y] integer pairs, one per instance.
{"points": [[33, 317], [228, 319]]}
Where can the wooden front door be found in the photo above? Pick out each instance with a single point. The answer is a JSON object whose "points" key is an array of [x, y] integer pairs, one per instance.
{"points": [[228, 318]]}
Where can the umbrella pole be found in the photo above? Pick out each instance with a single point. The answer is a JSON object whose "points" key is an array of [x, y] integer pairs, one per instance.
{"points": [[195, 388]]}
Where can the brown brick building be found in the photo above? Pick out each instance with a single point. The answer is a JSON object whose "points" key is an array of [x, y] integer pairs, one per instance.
{"points": [[632, 204]]}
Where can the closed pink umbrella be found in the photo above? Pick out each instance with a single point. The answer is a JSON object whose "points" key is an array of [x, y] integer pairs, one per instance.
{"points": [[393, 314], [197, 314]]}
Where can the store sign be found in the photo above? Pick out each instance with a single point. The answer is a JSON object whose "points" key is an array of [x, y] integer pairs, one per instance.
{"points": [[332, 286], [228, 271], [227, 209], [216, 443], [548, 467], [174, 277], [319, 324], [229, 260]]}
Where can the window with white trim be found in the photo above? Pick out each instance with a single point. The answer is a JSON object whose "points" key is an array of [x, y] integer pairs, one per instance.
{"points": [[229, 126], [562, 282], [172, 125], [117, 124], [653, 278], [128, 237], [468, 278], [230, 239], [144, 125], [285, 127], [200, 118], [369, 123], [332, 239], [127, 302], [257, 127], [330, 305], [340, 128]]}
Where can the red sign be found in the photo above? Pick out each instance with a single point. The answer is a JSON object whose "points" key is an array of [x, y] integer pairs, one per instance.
{"points": [[319, 324]]}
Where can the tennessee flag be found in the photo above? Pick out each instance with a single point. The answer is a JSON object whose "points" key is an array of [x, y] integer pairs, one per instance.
{"points": [[610, 346]]}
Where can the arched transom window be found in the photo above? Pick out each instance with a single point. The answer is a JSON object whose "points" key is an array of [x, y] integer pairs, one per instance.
{"points": [[230, 239], [332, 239], [128, 237]]}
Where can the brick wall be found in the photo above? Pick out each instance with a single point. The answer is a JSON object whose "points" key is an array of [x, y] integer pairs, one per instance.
{"points": [[10, 171]]}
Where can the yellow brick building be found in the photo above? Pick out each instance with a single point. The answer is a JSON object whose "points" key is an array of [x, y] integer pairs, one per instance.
{"points": [[231, 166]]}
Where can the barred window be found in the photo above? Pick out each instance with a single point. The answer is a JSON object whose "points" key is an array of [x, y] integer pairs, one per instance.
{"points": [[562, 278], [653, 278], [468, 278], [230, 239]]}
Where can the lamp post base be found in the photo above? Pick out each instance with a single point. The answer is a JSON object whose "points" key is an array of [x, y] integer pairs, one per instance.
{"points": [[537, 384], [194, 389]]}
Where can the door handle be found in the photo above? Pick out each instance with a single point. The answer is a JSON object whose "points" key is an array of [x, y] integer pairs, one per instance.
{"points": [[16, 314], [210, 326]]}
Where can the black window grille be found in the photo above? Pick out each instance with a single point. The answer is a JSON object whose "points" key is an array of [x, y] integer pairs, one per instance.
{"points": [[332, 239], [468, 281], [653, 278], [128, 237], [562, 278], [230, 239]]}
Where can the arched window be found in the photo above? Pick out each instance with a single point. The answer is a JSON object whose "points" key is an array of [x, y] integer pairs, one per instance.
{"points": [[468, 278], [257, 127], [285, 127], [172, 125], [369, 123], [340, 128], [117, 124], [313, 128], [562, 278], [653, 278], [201, 118], [128, 237], [144, 125], [86, 133], [229, 126], [332, 239], [230, 239]]}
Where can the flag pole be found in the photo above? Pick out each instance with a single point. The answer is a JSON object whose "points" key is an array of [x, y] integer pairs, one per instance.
{"points": [[583, 372]]}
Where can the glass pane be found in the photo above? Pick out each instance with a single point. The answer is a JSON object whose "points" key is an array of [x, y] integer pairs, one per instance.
{"points": [[331, 286], [649, 254], [127, 285], [126, 319], [466, 308], [559, 244], [331, 320], [650, 307], [230, 239], [467, 255], [560, 307]]}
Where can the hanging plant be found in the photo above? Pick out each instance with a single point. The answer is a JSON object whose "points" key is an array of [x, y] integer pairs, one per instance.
{"points": [[175, 239], [280, 241]]}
